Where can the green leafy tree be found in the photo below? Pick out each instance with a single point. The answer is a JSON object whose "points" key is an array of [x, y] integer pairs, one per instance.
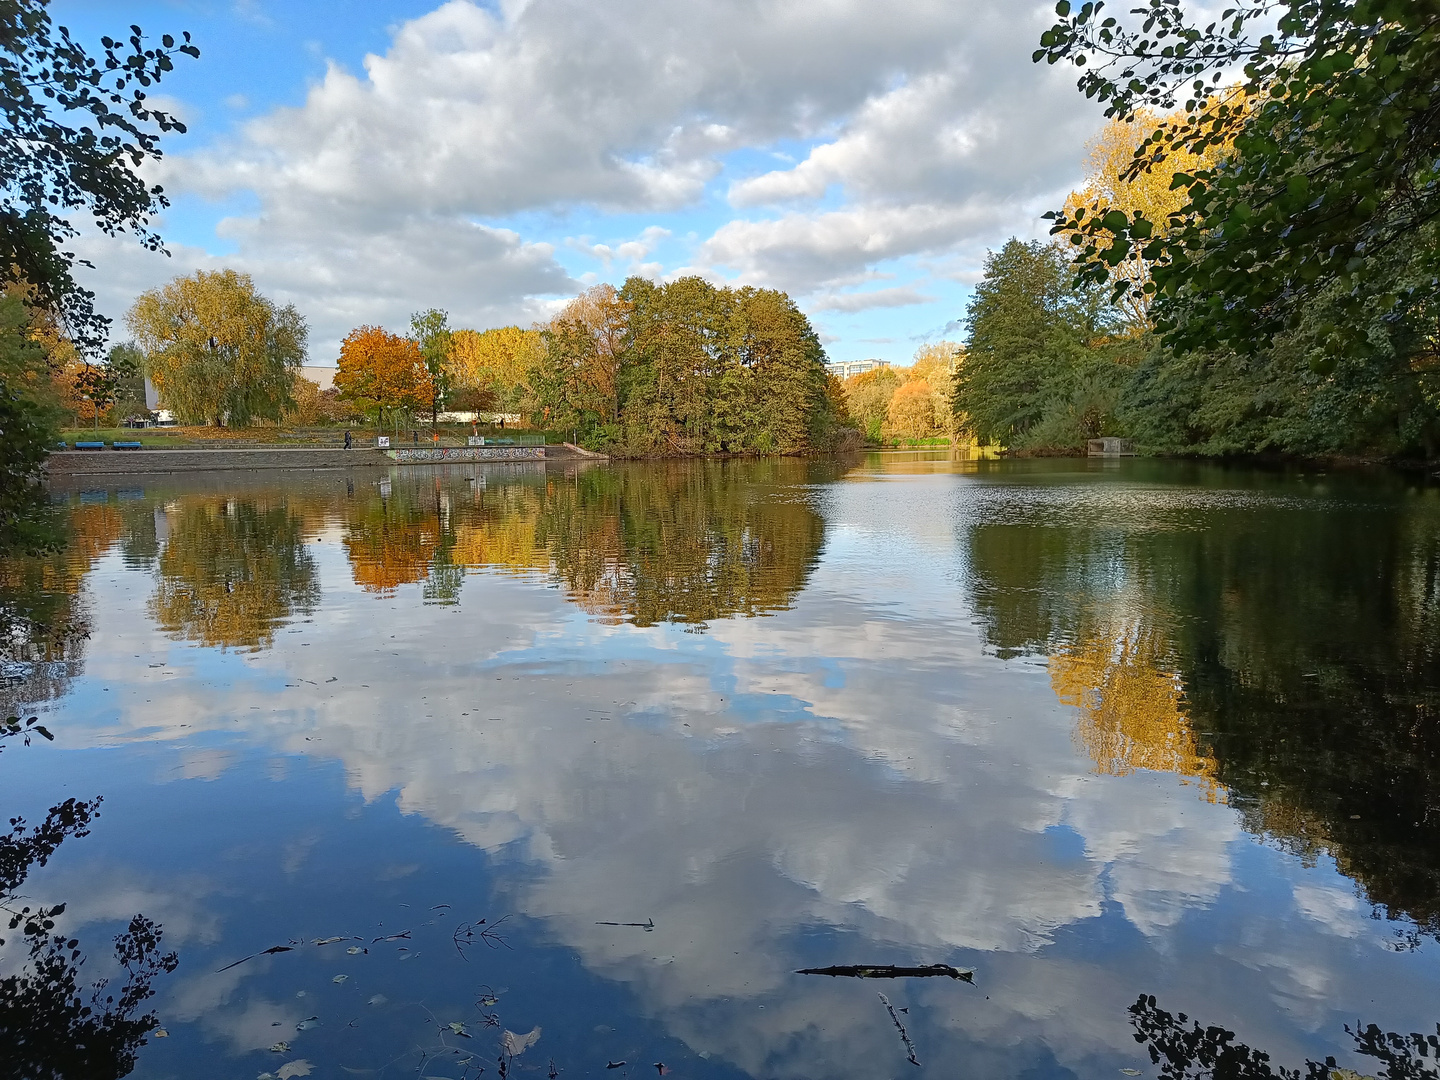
{"points": [[431, 331], [29, 426], [1336, 139], [217, 350], [1039, 369], [74, 131]]}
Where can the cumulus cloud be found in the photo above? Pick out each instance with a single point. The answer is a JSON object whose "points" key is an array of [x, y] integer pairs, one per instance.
{"points": [[431, 176]]}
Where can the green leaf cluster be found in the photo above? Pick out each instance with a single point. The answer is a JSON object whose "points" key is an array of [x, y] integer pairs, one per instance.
{"points": [[74, 130], [1333, 162]]}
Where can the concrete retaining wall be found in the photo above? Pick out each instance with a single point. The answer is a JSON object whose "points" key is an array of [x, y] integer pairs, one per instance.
{"points": [[113, 462]]}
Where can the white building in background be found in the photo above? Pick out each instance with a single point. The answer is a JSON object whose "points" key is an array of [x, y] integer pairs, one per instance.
{"points": [[846, 368], [324, 377]]}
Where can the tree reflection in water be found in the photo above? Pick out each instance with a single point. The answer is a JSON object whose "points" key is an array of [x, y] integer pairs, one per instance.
{"points": [[1184, 1050], [679, 543], [1284, 657], [53, 1025], [232, 570]]}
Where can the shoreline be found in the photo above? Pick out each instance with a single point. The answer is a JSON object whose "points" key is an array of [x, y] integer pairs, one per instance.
{"points": [[65, 463]]}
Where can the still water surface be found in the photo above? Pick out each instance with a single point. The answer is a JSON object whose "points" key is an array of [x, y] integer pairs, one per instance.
{"points": [[1093, 730]]}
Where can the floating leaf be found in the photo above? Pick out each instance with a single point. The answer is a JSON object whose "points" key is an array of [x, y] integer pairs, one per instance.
{"points": [[160, 1033], [327, 941], [1131, 1072], [308, 1023], [515, 1045], [459, 1029], [280, 1048], [353, 949], [378, 999], [339, 979], [293, 1068]]}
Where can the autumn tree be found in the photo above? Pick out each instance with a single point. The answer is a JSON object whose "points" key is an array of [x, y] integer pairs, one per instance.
{"points": [[97, 388], [217, 350], [493, 369], [1113, 183], [867, 396], [911, 413], [383, 374], [315, 406]]}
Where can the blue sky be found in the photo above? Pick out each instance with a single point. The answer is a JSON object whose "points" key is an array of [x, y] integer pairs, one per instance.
{"points": [[363, 160]]}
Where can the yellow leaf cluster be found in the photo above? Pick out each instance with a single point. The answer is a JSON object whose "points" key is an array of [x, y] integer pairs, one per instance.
{"points": [[497, 360], [1114, 183]]}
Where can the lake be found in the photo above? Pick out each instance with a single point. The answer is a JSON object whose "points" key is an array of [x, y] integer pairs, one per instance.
{"points": [[568, 772]]}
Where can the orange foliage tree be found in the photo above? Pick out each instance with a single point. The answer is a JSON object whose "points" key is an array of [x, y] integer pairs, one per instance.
{"points": [[383, 373]]}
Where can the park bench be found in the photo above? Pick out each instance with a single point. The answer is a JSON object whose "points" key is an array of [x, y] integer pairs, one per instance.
{"points": [[126, 445], [89, 445]]}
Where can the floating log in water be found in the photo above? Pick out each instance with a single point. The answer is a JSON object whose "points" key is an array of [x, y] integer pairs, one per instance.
{"points": [[890, 971]]}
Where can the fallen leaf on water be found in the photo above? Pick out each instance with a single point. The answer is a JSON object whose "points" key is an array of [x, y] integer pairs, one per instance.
{"points": [[459, 1029], [327, 941], [515, 1045], [353, 949], [266, 1076], [1131, 1072], [378, 999], [160, 1033], [280, 1048], [293, 1068], [615, 1064], [308, 1023], [339, 978]]}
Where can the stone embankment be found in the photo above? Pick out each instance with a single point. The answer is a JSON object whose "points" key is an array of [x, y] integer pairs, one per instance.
{"points": [[121, 462]]}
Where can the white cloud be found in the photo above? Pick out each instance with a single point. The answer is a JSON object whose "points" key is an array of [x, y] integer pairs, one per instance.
{"points": [[899, 296], [429, 177]]}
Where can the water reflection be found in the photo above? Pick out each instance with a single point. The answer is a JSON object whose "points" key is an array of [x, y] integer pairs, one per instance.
{"points": [[679, 821], [232, 570], [44, 621], [679, 543], [1284, 653]]}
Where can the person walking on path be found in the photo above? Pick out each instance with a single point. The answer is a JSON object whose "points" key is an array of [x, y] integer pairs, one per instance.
{"points": [[347, 439]]}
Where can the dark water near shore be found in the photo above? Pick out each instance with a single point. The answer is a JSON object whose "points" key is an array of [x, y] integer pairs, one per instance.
{"points": [[1091, 729]]}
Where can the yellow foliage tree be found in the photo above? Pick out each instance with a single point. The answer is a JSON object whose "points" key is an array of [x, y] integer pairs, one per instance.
{"points": [[598, 315], [912, 411], [492, 368], [383, 373], [1112, 184], [217, 350], [867, 399]]}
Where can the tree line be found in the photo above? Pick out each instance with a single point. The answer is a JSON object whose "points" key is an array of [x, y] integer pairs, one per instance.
{"points": [[678, 368]]}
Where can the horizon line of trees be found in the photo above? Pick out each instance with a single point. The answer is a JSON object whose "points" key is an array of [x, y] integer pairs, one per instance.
{"points": [[678, 368]]}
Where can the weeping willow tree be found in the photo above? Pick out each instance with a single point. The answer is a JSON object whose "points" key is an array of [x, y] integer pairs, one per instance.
{"points": [[217, 350]]}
